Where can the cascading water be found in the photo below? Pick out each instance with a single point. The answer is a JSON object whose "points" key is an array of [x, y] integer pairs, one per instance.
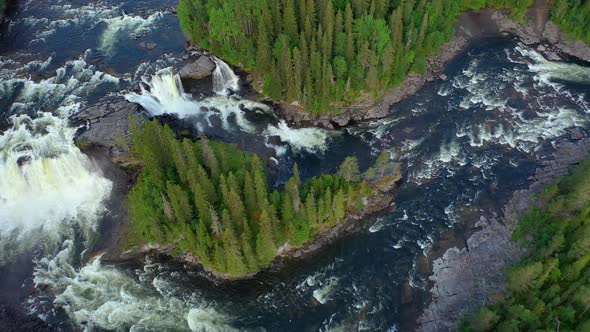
{"points": [[102, 297], [225, 81], [46, 185], [164, 94]]}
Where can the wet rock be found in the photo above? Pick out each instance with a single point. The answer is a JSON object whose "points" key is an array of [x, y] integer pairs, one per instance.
{"points": [[23, 161], [201, 68], [577, 133], [275, 140], [148, 46], [443, 77], [574, 48], [108, 123]]}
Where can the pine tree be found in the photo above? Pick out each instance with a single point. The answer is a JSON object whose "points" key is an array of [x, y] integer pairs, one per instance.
{"points": [[246, 240], [349, 36], [349, 170], [250, 196], [209, 158], [233, 257], [311, 209], [180, 205], [339, 206]]}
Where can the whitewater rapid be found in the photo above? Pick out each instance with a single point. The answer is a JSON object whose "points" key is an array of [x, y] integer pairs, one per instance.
{"points": [[99, 296], [163, 93], [48, 186]]}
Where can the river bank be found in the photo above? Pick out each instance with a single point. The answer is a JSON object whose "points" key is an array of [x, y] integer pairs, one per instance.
{"points": [[466, 276]]}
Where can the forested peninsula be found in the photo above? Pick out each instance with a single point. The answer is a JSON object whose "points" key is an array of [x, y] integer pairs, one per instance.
{"points": [[325, 55], [212, 201]]}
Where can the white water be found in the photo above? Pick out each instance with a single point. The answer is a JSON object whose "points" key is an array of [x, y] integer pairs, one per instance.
{"points": [[56, 187], [63, 91], [99, 296], [164, 94], [549, 71], [225, 81], [309, 139]]}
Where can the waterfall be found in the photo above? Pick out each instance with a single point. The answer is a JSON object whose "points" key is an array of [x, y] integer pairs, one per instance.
{"points": [[225, 81], [165, 95], [47, 185]]}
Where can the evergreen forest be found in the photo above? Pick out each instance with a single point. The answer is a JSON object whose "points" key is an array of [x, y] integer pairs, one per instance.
{"points": [[326, 55], [573, 16]]}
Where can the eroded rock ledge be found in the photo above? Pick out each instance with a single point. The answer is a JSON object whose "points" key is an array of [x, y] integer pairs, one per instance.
{"points": [[465, 278]]}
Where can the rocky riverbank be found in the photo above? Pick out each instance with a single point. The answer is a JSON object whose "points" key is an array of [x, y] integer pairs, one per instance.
{"points": [[466, 277]]}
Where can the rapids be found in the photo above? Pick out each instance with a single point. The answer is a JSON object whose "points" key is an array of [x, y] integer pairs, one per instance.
{"points": [[467, 144]]}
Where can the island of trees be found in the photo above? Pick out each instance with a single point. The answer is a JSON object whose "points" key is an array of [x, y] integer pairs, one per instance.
{"points": [[327, 54], [549, 289], [212, 200]]}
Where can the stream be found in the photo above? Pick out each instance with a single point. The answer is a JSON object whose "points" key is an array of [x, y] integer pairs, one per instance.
{"points": [[466, 143]]}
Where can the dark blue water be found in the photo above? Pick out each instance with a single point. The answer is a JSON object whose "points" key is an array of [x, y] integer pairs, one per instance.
{"points": [[466, 144]]}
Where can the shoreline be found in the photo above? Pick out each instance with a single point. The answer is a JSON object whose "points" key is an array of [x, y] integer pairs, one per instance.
{"points": [[466, 276]]}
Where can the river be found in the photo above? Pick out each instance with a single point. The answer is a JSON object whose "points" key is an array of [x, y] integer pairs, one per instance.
{"points": [[466, 143]]}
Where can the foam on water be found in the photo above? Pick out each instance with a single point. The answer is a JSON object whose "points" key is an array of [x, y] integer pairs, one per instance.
{"points": [[309, 139], [99, 296], [69, 86], [125, 26], [550, 71], [46, 185]]}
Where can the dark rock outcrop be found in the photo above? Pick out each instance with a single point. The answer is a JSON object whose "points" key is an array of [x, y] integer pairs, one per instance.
{"points": [[198, 69], [107, 124]]}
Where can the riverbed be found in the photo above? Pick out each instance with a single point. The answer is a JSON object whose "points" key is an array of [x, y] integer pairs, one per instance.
{"points": [[466, 142]]}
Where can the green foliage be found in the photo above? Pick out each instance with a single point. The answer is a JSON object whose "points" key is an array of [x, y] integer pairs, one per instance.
{"points": [[324, 53], [212, 200], [549, 289], [573, 16]]}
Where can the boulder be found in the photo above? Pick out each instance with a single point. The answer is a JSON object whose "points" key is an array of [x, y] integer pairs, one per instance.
{"points": [[201, 68]]}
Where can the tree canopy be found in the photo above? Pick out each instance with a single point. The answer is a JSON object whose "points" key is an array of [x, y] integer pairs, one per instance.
{"points": [[327, 54]]}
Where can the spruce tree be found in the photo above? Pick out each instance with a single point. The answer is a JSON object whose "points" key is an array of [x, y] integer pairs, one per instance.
{"points": [[265, 247], [290, 21]]}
